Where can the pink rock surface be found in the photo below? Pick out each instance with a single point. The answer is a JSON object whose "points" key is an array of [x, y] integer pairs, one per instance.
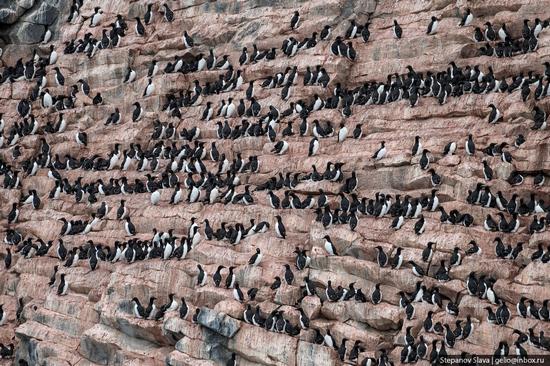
{"points": [[94, 324]]}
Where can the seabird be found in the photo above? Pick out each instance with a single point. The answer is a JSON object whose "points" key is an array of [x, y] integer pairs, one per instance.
{"points": [[202, 276], [470, 146], [466, 18], [381, 152], [280, 227], [329, 246], [149, 89], [63, 286], [295, 20], [397, 31], [139, 28], [495, 114], [168, 13], [256, 258], [96, 17], [188, 41], [129, 227], [432, 27]]}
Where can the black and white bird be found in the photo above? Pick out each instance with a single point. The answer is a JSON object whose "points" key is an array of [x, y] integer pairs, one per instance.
{"points": [[243, 59], [96, 17], [187, 40], [137, 113], [329, 246], [98, 99], [295, 20], [376, 295], [59, 78], [149, 89], [280, 147], [358, 131], [450, 148], [432, 27], [84, 87], [470, 147], [417, 146], [168, 13], [397, 259], [129, 227], [256, 258], [539, 118], [487, 171], [416, 269], [208, 112], [139, 28], [495, 114], [47, 36], [202, 276], [397, 31], [63, 286], [420, 225], [280, 229], [424, 160], [130, 75], [435, 178], [148, 16], [342, 133], [184, 309], [467, 18], [381, 256], [47, 100], [381, 152], [81, 138], [13, 214], [503, 33], [155, 197], [325, 32], [398, 221], [139, 310], [313, 146], [237, 293]]}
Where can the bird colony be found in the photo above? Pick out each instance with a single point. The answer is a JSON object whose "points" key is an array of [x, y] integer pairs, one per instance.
{"points": [[236, 183]]}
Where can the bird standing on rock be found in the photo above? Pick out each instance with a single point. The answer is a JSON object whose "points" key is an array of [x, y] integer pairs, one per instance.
{"points": [[188, 40], [96, 17], [432, 27], [140, 29], [295, 20], [63, 286], [168, 13], [256, 258], [381, 152], [397, 30], [467, 18], [329, 246]]}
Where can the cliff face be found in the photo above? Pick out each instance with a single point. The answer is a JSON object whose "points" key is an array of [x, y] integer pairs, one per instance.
{"points": [[94, 323]]}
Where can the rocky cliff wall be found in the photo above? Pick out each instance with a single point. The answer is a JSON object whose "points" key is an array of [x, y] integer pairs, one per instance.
{"points": [[94, 324]]}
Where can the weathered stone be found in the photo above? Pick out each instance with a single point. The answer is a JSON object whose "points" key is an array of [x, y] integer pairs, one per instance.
{"points": [[8, 16], [310, 354], [264, 347], [46, 14], [27, 33], [219, 322], [25, 4]]}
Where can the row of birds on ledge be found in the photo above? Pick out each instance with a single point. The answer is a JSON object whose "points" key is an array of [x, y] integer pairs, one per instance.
{"points": [[454, 81]]}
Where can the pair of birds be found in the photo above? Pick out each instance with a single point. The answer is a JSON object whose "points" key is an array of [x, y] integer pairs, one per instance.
{"points": [[431, 30], [152, 312]]}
